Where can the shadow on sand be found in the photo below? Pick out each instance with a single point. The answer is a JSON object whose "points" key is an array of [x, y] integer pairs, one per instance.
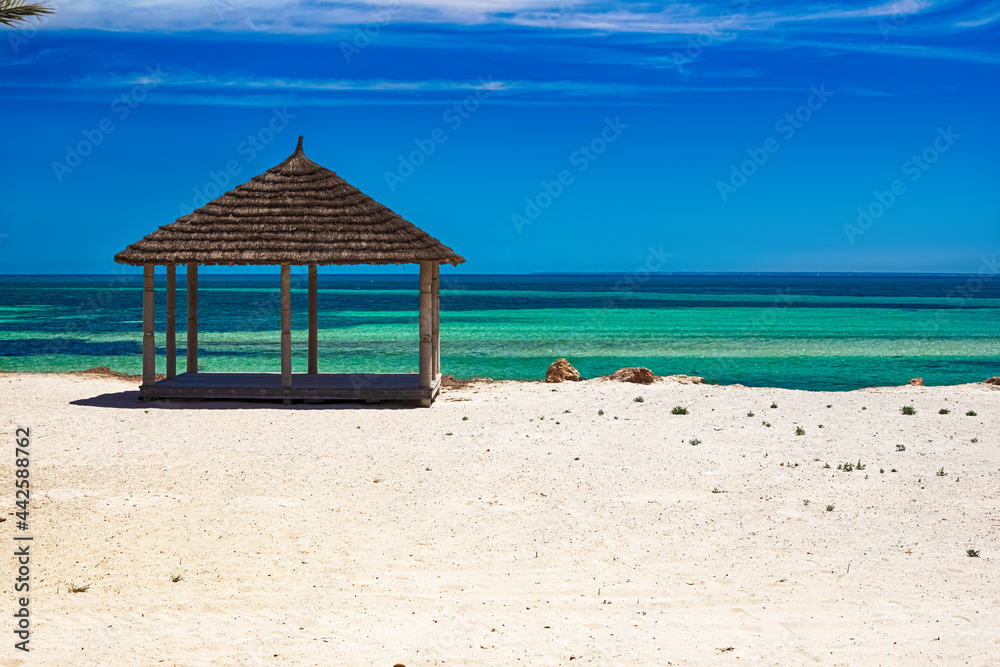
{"points": [[130, 400]]}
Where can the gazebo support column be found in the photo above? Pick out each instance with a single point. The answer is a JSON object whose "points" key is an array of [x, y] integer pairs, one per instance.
{"points": [[192, 313], [286, 328], [436, 320], [148, 325], [313, 323], [425, 329], [171, 321]]}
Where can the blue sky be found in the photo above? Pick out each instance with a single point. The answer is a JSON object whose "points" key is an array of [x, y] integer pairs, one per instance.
{"points": [[532, 135]]}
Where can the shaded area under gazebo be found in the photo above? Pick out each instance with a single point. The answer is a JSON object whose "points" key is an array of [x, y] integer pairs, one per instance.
{"points": [[297, 213]]}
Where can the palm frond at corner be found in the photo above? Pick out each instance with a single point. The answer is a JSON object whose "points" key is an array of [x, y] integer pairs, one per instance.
{"points": [[12, 11]]}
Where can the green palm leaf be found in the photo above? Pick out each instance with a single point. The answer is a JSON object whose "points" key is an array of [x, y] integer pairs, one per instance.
{"points": [[12, 11]]}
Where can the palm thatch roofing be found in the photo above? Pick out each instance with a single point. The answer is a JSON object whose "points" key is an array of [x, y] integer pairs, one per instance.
{"points": [[295, 213]]}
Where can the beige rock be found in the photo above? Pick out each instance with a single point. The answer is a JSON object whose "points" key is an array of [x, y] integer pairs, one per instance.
{"points": [[917, 382], [686, 379], [561, 370], [635, 375], [993, 380]]}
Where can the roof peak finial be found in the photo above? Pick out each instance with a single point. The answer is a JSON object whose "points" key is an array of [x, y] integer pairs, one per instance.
{"points": [[298, 149]]}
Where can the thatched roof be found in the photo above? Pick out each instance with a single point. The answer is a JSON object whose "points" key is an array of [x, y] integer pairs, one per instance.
{"points": [[295, 213]]}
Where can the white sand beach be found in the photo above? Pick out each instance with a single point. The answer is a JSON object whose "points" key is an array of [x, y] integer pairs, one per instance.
{"points": [[512, 523]]}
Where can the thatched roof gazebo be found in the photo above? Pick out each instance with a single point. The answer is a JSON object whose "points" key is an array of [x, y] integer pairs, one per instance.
{"points": [[296, 213]]}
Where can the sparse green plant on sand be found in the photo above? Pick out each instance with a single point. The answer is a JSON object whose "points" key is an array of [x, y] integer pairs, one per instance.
{"points": [[465, 419], [694, 441], [799, 430], [829, 406], [749, 414], [881, 471], [846, 467], [637, 399], [908, 410], [829, 508], [970, 413], [893, 470], [717, 490], [774, 406], [78, 588], [941, 473], [678, 410], [767, 424], [377, 480], [448, 433], [943, 411], [806, 503], [176, 577], [974, 440], [972, 553], [600, 413], [565, 412], [826, 465], [900, 448]]}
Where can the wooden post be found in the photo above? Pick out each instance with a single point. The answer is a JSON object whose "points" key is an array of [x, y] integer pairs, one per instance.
{"points": [[286, 326], [313, 323], [171, 321], [436, 320], [192, 312], [148, 325], [425, 326]]}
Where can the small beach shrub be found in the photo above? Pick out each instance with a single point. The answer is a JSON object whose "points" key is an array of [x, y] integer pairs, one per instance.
{"points": [[774, 405], [800, 431], [600, 413], [678, 410], [826, 465], [972, 553], [78, 588], [900, 448], [829, 508], [717, 490], [881, 470], [941, 473], [766, 424], [465, 419], [637, 399], [908, 410], [806, 503], [893, 470], [970, 413], [974, 440], [694, 441], [177, 577], [943, 411], [829, 406], [749, 414]]}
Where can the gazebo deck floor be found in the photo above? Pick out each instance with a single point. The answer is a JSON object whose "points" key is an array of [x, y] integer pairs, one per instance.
{"points": [[320, 386]]}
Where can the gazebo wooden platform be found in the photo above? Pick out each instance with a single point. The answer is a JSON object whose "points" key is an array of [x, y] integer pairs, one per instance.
{"points": [[297, 213]]}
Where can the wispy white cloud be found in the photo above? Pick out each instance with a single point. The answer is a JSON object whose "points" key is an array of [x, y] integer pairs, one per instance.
{"points": [[319, 16]]}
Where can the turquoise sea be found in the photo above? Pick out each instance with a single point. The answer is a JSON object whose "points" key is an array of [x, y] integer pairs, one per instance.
{"points": [[840, 331]]}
